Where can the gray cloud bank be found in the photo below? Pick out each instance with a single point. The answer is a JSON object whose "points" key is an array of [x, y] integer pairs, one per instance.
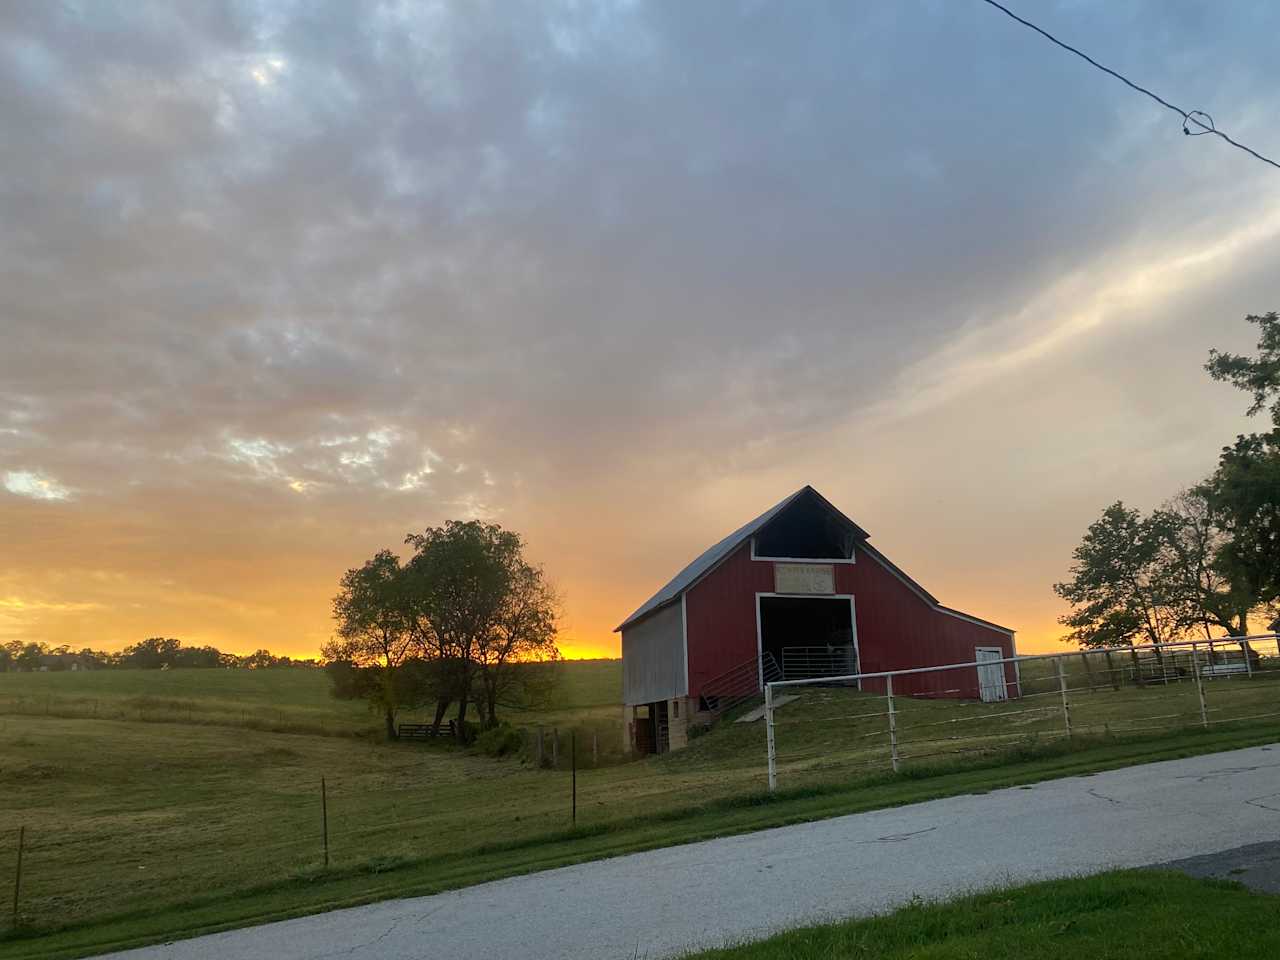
{"points": [[284, 280]]}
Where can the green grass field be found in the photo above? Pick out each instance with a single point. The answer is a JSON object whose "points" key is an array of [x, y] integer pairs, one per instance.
{"points": [[1113, 916], [283, 701], [199, 806]]}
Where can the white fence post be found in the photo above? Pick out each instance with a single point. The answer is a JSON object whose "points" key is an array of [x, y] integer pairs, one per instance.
{"points": [[768, 727], [1195, 670], [893, 723], [1062, 687]]}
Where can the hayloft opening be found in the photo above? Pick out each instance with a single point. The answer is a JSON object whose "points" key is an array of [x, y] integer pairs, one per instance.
{"points": [[806, 530]]}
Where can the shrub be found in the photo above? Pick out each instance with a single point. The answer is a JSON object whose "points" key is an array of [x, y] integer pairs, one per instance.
{"points": [[500, 741], [697, 730]]}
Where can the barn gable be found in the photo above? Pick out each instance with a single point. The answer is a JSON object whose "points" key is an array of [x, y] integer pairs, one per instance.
{"points": [[804, 520]]}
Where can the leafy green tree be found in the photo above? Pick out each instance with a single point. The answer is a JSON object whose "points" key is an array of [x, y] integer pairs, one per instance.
{"points": [[151, 654], [1260, 375], [479, 609], [460, 578], [1244, 492], [524, 633], [1118, 589], [373, 629], [27, 656], [1193, 583], [96, 659]]}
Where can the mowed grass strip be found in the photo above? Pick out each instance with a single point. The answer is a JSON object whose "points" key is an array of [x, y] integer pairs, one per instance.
{"points": [[1122, 915]]}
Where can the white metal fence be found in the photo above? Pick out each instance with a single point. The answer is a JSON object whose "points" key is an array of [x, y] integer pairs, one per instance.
{"points": [[833, 725]]}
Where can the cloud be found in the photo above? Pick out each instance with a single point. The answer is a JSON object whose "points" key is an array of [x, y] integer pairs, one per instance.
{"points": [[29, 483]]}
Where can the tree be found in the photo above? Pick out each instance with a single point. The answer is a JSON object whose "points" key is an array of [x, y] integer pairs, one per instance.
{"points": [[373, 628], [1192, 578], [26, 657], [151, 654], [1244, 494], [1258, 375], [524, 633], [461, 575], [1118, 587], [479, 608]]}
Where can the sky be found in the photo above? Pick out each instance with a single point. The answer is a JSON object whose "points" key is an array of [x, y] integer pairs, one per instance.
{"points": [[283, 282]]}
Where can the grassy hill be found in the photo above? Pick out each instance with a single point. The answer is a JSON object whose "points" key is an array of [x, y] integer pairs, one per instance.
{"points": [[292, 700]]}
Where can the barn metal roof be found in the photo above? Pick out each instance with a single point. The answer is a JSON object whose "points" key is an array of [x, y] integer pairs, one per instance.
{"points": [[705, 561]]}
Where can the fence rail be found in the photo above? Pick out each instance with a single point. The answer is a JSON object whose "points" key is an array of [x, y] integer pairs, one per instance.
{"points": [[891, 717], [739, 685]]}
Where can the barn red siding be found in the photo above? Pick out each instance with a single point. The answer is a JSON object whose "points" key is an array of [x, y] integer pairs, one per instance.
{"points": [[720, 612], [896, 628]]}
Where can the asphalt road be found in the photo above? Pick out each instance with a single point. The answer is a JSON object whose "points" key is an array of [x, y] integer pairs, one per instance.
{"points": [[661, 903]]}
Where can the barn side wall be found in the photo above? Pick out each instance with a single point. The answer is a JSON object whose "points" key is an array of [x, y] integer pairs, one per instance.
{"points": [[899, 630], [896, 628], [653, 658]]}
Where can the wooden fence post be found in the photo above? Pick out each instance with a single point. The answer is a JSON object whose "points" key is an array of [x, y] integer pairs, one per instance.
{"points": [[1111, 672], [1088, 670], [595, 748], [1062, 687], [573, 761], [538, 749], [555, 748]]}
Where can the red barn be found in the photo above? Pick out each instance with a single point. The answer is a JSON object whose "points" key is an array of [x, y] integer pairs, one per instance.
{"points": [[797, 592]]}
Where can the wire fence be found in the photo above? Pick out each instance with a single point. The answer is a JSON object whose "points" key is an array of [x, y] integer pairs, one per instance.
{"points": [[890, 719], [164, 826]]}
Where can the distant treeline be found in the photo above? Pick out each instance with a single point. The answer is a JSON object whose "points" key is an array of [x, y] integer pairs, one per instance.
{"points": [[154, 653]]}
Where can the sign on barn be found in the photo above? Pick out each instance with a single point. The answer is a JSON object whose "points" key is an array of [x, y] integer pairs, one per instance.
{"points": [[804, 578]]}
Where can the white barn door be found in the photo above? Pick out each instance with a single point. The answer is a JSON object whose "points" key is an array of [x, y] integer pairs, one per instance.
{"points": [[991, 685]]}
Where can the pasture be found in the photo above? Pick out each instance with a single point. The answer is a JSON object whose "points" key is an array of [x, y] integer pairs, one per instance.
{"points": [[191, 801], [293, 700]]}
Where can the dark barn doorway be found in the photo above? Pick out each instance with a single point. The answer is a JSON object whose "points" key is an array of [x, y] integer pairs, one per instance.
{"points": [[809, 636], [651, 725]]}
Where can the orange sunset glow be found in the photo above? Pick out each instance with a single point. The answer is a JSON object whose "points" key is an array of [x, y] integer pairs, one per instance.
{"points": [[268, 309]]}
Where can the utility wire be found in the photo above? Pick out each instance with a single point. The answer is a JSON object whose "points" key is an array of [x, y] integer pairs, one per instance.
{"points": [[1189, 117]]}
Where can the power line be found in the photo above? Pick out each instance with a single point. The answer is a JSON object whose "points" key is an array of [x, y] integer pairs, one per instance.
{"points": [[1190, 118]]}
